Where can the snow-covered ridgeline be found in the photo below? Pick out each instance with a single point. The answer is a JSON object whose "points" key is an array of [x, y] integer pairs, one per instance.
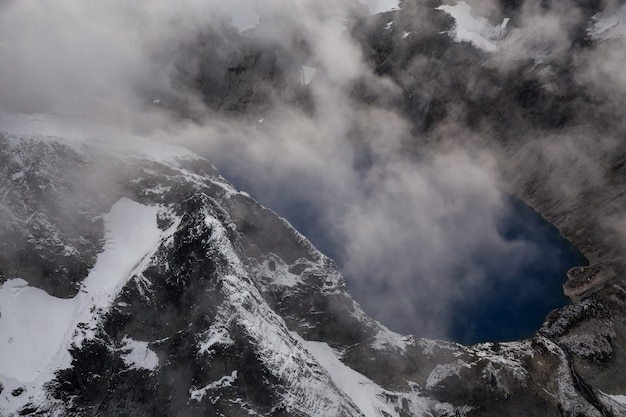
{"points": [[132, 237], [309, 389]]}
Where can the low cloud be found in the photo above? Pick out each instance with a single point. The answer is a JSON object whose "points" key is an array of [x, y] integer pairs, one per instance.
{"points": [[412, 225]]}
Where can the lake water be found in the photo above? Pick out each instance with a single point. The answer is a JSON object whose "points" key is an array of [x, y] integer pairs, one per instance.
{"points": [[519, 300], [516, 297]]}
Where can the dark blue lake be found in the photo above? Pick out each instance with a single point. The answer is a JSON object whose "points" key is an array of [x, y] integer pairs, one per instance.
{"points": [[518, 301], [517, 294]]}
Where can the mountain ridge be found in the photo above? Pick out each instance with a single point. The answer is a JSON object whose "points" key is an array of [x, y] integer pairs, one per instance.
{"points": [[218, 298]]}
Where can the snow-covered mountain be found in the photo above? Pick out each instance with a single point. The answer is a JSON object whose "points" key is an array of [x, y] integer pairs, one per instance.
{"points": [[136, 281], [179, 295]]}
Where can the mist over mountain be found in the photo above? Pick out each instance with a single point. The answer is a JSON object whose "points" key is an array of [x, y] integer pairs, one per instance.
{"points": [[401, 130]]}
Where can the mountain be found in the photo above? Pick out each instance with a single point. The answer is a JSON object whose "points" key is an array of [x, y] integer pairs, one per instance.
{"points": [[534, 84], [137, 281]]}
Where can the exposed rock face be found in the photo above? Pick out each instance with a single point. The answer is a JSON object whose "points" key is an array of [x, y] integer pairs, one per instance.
{"points": [[517, 114], [527, 113], [220, 316], [198, 304], [221, 313], [49, 237], [237, 75]]}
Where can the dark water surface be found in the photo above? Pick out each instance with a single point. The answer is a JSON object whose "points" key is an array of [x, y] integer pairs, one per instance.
{"points": [[518, 294], [518, 301]]}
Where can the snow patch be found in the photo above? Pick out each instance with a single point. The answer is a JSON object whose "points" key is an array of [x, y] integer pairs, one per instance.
{"points": [[618, 398], [613, 401], [444, 371], [37, 329], [225, 381], [139, 356], [507, 357], [216, 336], [386, 339], [364, 393], [474, 29], [273, 271], [132, 232], [33, 325]]}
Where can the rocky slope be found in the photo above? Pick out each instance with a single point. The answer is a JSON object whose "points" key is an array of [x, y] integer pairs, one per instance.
{"points": [[556, 132], [135, 280], [182, 296]]}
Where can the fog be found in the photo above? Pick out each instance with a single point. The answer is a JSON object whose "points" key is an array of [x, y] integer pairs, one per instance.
{"points": [[401, 219]]}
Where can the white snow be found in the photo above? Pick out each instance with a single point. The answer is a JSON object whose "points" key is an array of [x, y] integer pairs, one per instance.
{"points": [[364, 393], [131, 233], [225, 381], [37, 329], [279, 274], [507, 357], [619, 398], [138, 355], [33, 325], [386, 339], [443, 371], [307, 74], [287, 360], [217, 335], [475, 29]]}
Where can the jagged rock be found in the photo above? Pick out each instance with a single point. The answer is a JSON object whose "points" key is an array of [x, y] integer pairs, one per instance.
{"points": [[230, 311]]}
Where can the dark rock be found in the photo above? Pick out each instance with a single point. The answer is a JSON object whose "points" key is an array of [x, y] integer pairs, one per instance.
{"points": [[17, 391]]}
